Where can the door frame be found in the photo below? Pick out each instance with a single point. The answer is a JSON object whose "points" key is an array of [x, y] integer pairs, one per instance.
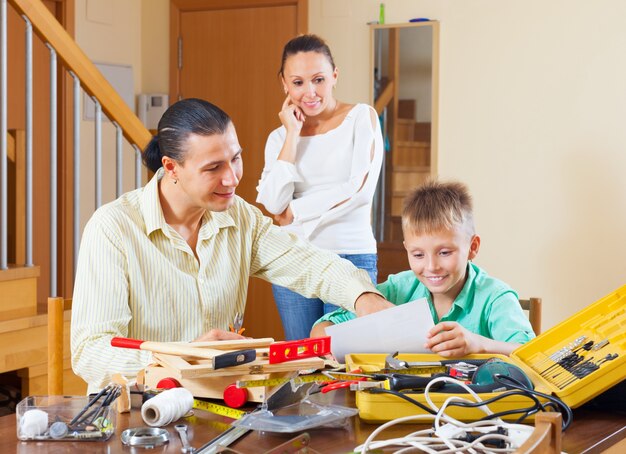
{"points": [[180, 6]]}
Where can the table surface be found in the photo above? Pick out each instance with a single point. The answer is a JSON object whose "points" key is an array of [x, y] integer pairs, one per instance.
{"points": [[591, 432]]}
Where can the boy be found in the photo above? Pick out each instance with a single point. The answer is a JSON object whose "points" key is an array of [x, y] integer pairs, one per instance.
{"points": [[473, 312]]}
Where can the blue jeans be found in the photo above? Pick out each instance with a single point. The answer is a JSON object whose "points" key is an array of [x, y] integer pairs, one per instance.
{"points": [[298, 313]]}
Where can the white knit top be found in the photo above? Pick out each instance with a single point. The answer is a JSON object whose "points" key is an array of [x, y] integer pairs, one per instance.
{"points": [[329, 169]]}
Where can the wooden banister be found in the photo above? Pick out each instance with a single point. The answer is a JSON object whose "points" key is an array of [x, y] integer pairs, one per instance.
{"points": [[384, 98], [93, 82], [55, 345]]}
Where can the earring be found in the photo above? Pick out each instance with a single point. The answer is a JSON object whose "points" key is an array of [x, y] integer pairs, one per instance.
{"points": [[175, 181]]}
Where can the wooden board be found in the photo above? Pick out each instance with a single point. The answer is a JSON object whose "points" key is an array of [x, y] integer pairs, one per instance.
{"points": [[231, 344], [183, 368]]}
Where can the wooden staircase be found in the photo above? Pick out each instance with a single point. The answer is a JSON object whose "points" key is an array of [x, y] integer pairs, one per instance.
{"points": [[410, 167], [29, 271], [410, 158], [24, 323]]}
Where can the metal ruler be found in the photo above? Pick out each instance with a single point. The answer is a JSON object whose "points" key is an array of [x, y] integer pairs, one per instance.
{"points": [[221, 410]]}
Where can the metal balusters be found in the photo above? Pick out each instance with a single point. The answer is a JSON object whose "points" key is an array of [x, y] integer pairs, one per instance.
{"points": [[137, 166], [53, 171], [29, 142], [3, 137], [118, 160], [98, 149], [76, 156]]}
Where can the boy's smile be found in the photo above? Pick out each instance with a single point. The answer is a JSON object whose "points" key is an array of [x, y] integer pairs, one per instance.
{"points": [[439, 260]]}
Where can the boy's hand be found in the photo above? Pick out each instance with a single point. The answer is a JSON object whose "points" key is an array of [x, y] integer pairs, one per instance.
{"points": [[368, 303], [451, 340], [319, 329]]}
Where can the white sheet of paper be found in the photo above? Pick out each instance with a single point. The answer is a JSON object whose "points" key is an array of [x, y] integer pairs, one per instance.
{"points": [[402, 328]]}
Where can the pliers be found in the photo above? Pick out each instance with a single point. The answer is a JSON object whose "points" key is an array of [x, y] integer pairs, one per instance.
{"points": [[338, 384], [236, 325]]}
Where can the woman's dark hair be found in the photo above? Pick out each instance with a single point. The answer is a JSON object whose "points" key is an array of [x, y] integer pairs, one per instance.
{"points": [[305, 43], [185, 117]]}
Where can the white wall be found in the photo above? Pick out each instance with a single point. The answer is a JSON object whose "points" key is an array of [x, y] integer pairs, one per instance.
{"points": [[532, 111]]}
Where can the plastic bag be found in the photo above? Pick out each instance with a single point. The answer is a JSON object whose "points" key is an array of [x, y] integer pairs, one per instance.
{"points": [[296, 417]]}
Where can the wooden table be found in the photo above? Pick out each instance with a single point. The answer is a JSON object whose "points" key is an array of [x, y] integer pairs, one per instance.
{"points": [[591, 432]]}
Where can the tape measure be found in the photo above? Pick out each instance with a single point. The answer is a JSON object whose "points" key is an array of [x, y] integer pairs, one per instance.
{"points": [[338, 376], [420, 370], [221, 410], [297, 380]]}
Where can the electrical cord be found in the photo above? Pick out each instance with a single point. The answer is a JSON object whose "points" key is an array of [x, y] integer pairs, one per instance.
{"points": [[569, 416], [402, 395], [444, 438]]}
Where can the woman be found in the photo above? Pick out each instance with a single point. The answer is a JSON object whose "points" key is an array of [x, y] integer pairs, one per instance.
{"points": [[171, 261], [321, 170]]}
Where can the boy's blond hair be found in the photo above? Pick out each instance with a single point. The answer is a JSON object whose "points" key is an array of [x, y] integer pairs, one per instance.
{"points": [[436, 206]]}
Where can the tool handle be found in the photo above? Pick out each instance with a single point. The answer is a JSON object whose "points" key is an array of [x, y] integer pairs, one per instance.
{"points": [[170, 348], [125, 342], [233, 358], [399, 382]]}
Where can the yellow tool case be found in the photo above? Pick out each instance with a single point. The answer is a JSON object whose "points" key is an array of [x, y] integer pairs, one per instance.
{"points": [[597, 334]]}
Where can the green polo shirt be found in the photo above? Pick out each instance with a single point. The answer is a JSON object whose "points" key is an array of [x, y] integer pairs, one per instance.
{"points": [[485, 306]]}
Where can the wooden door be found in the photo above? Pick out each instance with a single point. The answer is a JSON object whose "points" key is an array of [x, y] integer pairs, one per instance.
{"points": [[230, 55]]}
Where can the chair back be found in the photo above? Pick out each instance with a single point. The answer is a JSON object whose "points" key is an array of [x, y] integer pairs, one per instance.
{"points": [[546, 438], [533, 306]]}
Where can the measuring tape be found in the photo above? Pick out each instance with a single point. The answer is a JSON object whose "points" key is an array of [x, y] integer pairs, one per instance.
{"points": [[221, 410], [337, 376]]}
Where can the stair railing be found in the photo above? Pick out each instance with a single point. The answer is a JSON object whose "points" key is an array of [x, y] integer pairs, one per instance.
{"points": [[86, 77]]}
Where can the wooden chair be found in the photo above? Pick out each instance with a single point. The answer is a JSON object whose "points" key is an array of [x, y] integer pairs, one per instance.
{"points": [[533, 306], [546, 438], [56, 308]]}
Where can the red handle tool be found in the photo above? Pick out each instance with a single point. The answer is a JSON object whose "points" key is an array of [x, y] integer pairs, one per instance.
{"points": [[218, 358]]}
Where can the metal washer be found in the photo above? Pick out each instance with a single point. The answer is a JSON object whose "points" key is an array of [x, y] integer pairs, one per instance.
{"points": [[145, 437]]}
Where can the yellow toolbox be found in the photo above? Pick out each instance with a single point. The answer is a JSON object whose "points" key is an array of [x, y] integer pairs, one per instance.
{"points": [[596, 334]]}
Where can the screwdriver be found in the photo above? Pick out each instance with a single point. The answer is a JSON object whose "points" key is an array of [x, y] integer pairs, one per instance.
{"points": [[398, 382]]}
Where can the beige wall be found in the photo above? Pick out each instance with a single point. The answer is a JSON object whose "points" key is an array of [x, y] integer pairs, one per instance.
{"points": [[108, 31], [155, 45], [121, 32], [531, 116]]}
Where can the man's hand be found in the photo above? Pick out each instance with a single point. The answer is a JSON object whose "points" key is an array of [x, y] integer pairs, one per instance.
{"points": [[218, 335], [368, 303]]}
